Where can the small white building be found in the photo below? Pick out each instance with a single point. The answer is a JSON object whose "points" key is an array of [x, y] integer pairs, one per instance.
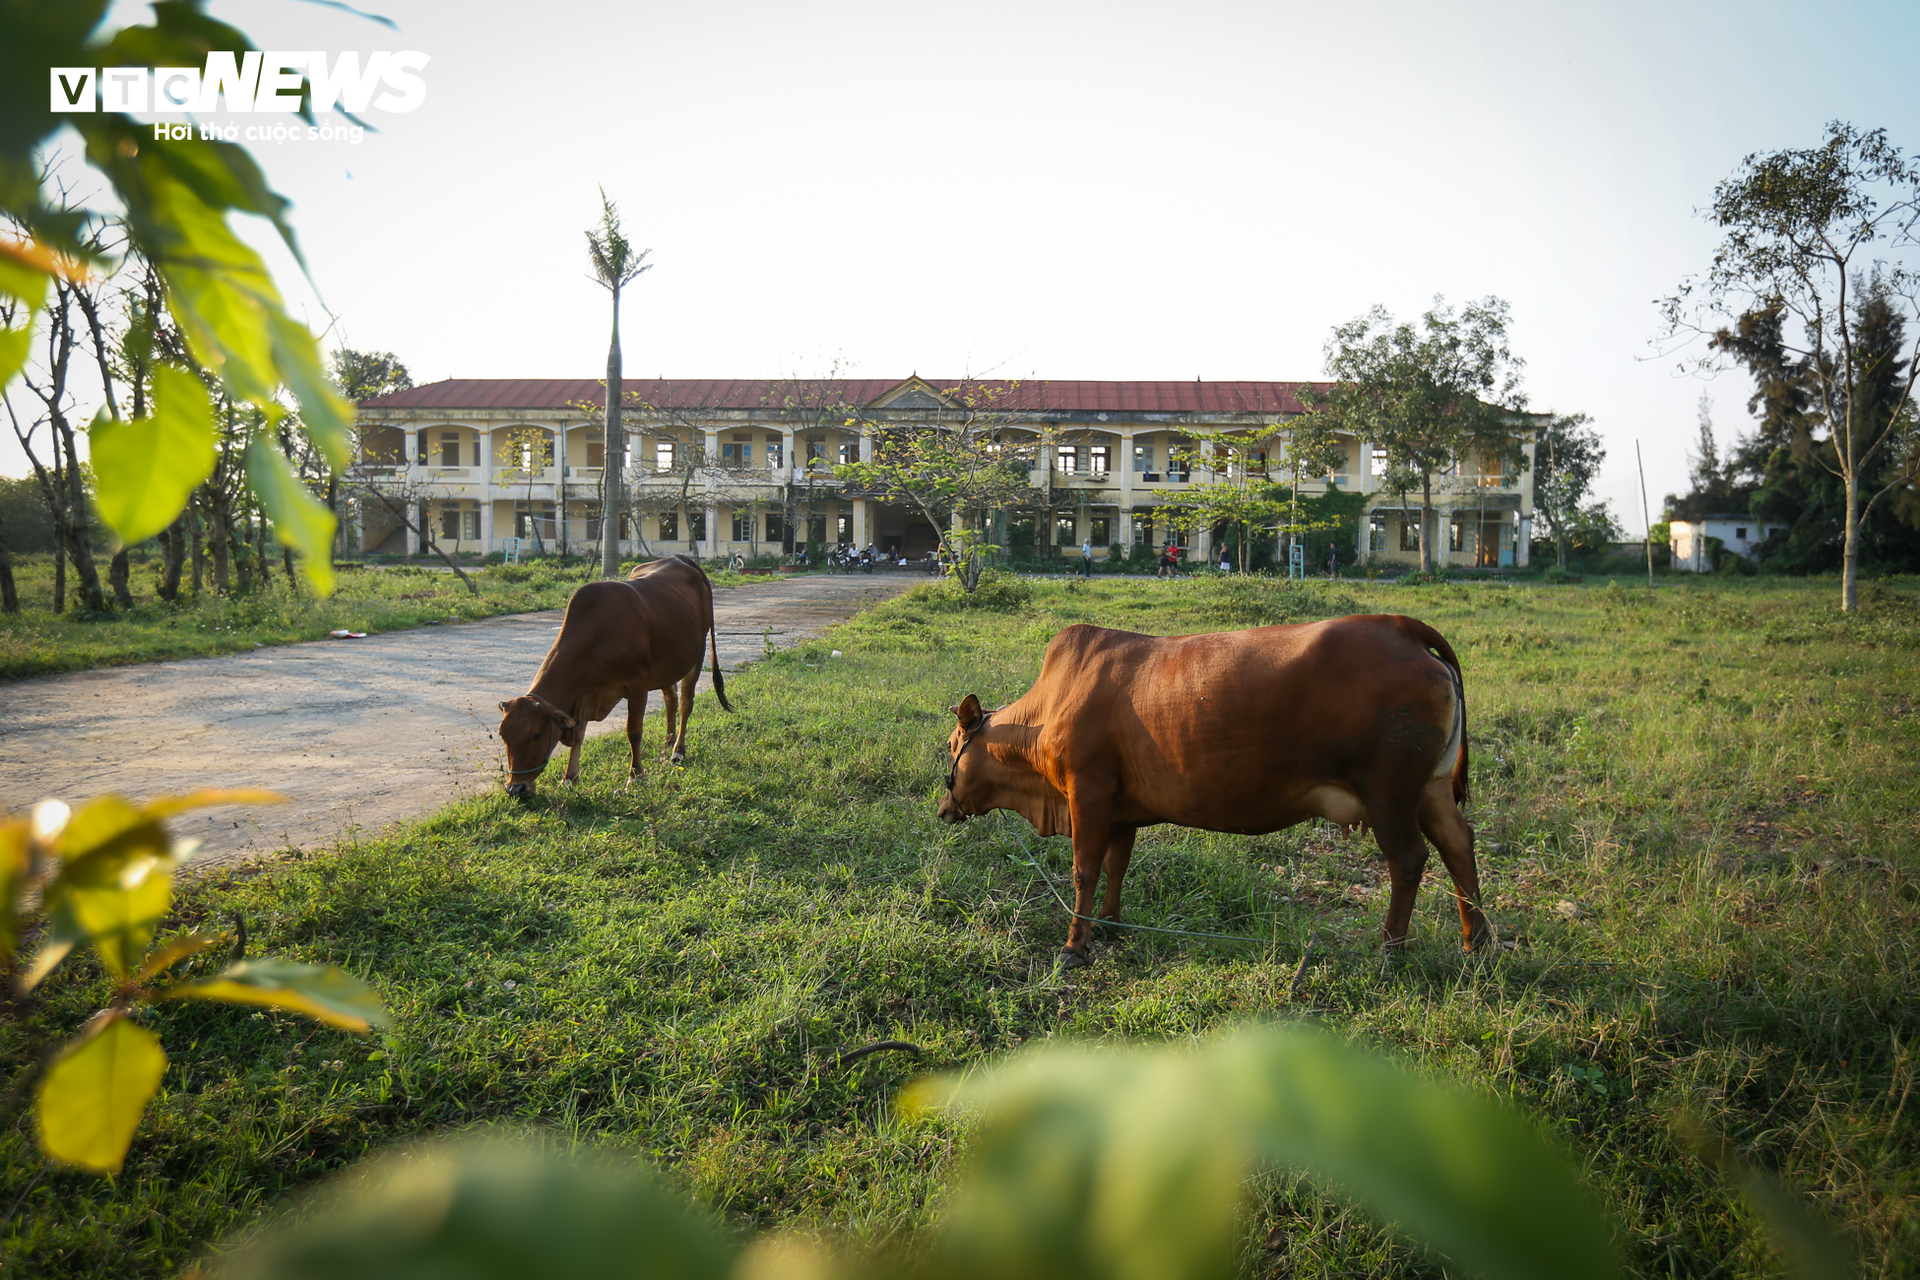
{"points": [[1740, 534]]}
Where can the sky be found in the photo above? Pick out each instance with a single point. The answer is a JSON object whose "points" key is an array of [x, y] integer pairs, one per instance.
{"points": [[1063, 190]]}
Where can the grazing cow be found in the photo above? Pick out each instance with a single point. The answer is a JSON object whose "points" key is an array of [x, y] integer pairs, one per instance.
{"points": [[618, 640], [1360, 720]]}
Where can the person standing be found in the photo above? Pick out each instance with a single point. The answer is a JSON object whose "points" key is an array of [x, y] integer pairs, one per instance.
{"points": [[1086, 559], [1226, 560], [1169, 561], [1333, 561]]}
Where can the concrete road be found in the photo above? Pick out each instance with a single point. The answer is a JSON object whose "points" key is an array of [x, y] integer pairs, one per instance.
{"points": [[358, 734]]}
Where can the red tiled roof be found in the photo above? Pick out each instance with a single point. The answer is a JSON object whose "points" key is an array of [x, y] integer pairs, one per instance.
{"points": [[1027, 395]]}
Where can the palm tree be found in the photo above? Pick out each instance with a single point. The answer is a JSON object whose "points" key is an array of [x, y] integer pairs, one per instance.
{"points": [[615, 265]]}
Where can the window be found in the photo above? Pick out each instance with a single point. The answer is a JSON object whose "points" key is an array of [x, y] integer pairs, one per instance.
{"points": [[849, 452], [696, 526], [1098, 456], [1377, 532], [1740, 534], [1102, 525], [1142, 531], [816, 529], [450, 523], [1063, 530], [533, 520], [420, 440], [476, 451], [449, 448], [1457, 537], [816, 451], [1068, 459], [736, 453], [1379, 461], [843, 528], [775, 448], [1409, 533], [776, 527], [596, 454], [665, 452], [743, 526], [1143, 457], [1179, 466], [669, 526]]}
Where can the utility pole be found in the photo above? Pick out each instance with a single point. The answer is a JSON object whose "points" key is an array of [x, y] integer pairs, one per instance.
{"points": [[1646, 516]]}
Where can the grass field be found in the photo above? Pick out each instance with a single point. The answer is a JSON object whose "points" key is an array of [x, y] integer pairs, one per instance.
{"points": [[38, 642], [1699, 819]]}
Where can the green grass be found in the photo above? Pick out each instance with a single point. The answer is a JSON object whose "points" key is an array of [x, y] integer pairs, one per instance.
{"points": [[1698, 828], [37, 641]]}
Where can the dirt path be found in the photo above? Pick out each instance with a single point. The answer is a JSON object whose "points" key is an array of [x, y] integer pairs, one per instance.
{"points": [[358, 734]]}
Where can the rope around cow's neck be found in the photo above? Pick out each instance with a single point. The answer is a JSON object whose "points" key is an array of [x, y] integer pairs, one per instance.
{"points": [[1027, 857]]}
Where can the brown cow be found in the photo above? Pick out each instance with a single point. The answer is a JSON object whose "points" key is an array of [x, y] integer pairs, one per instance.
{"points": [[618, 640], [1360, 720]]}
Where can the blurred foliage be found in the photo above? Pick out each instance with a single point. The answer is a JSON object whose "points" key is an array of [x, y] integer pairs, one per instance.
{"points": [[1128, 1165], [102, 877], [174, 202]]}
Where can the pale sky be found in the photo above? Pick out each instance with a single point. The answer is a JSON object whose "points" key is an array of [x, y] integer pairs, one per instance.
{"points": [[1061, 190]]}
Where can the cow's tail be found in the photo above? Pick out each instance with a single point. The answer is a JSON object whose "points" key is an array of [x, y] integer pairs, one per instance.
{"points": [[713, 639], [1437, 644]]}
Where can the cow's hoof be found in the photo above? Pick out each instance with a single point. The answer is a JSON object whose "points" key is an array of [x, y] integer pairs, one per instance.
{"points": [[678, 757], [1069, 960]]}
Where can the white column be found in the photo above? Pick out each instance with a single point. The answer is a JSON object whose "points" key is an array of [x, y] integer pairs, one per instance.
{"points": [[1524, 552], [486, 523], [560, 485], [860, 517], [787, 460], [1443, 535], [866, 445], [1125, 463]]}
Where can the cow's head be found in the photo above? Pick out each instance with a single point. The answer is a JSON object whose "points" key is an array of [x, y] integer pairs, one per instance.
{"points": [[530, 729], [966, 788]]}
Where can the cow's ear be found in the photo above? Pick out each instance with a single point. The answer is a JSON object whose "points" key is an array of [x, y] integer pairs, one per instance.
{"points": [[969, 712], [565, 720], [506, 706]]}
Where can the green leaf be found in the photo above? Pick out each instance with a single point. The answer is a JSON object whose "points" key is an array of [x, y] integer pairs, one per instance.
{"points": [[299, 519], [25, 270], [16, 865], [487, 1211], [93, 1097], [146, 469], [14, 345], [322, 991], [118, 919], [1127, 1165], [164, 957]]}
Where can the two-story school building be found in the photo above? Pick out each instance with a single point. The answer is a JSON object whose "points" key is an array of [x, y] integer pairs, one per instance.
{"points": [[717, 466]]}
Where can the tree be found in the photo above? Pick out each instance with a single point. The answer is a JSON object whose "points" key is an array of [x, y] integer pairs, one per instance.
{"points": [[1566, 458], [1811, 237], [1237, 493], [615, 265], [974, 459], [1434, 397]]}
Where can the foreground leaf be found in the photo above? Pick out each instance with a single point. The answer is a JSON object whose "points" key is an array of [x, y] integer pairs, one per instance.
{"points": [[93, 1097], [1128, 1165], [487, 1211], [299, 519], [322, 991], [146, 469], [207, 798]]}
